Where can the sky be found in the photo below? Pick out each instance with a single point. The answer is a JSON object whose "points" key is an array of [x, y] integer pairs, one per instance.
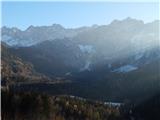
{"points": [[74, 14]]}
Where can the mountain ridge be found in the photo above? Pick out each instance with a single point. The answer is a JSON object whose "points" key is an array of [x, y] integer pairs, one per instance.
{"points": [[36, 34]]}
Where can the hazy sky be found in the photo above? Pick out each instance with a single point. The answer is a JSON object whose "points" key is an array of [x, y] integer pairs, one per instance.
{"points": [[73, 14]]}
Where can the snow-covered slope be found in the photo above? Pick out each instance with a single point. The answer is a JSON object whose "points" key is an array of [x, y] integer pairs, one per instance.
{"points": [[126, 68], [37, 34]]}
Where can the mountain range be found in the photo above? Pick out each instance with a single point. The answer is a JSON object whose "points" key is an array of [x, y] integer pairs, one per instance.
{"points": [[118, 61]]}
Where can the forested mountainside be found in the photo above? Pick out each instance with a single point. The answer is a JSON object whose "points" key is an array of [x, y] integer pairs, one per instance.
{"points": [[34, 106], [15, 70], [149, 109]]}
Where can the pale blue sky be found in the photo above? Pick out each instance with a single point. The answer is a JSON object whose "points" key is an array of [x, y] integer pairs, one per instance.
{"points": [[73, 14]]}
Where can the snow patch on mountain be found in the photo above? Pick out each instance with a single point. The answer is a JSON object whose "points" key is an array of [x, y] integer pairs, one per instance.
{"points": [[86, 48], [86, 66], [125, 68], [138, 56], [68, 74], [9, 40], [6, 37]]}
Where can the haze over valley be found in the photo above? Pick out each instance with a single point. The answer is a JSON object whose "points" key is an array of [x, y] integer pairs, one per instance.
{"points": [[108, 57], [105, 71]]}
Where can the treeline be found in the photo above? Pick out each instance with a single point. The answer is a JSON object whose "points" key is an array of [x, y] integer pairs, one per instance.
{"points": [[34, 106]]}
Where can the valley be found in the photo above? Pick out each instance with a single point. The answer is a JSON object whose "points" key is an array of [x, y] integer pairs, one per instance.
{"points": [[88, 66]]}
